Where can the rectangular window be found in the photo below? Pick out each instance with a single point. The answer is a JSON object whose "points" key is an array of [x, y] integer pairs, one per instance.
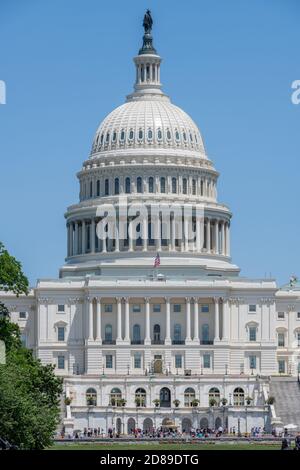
{"points": [[137, 359], [22, 315], [61, 308], [108, 308], [252, 333], [252, 308], [108, 361], [156, 308], [280, 315], [298, 315], [206, 361], [136, 308], [178, 361], [252, 362], [205, 308], [61, 362], [281, 340], [61, 333], [177, 308], [281, 366]]}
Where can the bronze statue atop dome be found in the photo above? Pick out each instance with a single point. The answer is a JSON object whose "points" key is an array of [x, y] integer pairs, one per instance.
{"points": [[148, 22]]}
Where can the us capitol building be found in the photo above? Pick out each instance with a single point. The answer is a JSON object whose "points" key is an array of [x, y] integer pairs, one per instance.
{"points": [[188, 343]]}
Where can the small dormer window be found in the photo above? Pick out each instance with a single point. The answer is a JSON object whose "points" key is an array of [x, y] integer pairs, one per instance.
{"points": [[101, 140], [196, 139], [140, 134], [168, 134], [191, 137], [122, 137], [159, 135], [177, 136], [114, 138], [107, 137], [150, 134], [184, 136], [131, 134]]}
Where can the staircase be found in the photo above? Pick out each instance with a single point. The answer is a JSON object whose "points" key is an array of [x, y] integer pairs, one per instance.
{"points": [[286, 391]]}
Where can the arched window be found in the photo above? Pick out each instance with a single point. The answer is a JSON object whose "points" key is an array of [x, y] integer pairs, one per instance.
{"points": [[238, 397], [174, 185], [165, 397], [122, 136], [117, 186], [177, 333], [162, 184], [98, 188], [107, 137], [114, 138], [101, 140], [177, 136], [91, 397], [136, 334], [150, 134], [140, 134], [168, 135], [159, 135], [191, 137], [184, 186], [115, 397], [139, 186], [156, 334], [127, 185], [205, 333], [91, 189], [108, 333], [131, 134], [106, 187], [189, 396], [184, 136], [194, 187], [140, 397], [151, 184], [214, 393]]}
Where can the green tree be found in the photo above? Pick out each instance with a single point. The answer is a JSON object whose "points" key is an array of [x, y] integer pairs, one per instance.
{"points": [[29, 391]]}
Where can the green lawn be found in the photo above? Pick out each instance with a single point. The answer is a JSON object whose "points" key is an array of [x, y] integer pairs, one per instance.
{"points": [[164, 446]]}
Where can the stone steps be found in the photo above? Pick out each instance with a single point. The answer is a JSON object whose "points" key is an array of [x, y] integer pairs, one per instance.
{"points": [[287, 399]]}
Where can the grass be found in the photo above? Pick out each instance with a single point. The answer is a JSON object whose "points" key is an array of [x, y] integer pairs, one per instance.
{"points": [[165, 446]]}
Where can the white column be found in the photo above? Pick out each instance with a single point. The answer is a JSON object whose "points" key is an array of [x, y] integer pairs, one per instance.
{"points": [[227, 239], [93, 236], [188, 320], [71, 239], [217, 322], [186, 234], [145, 233], [173, 234], [226, 320], [222, 238], [119, 320], [196, 320], [76, 239], [90, 303], [83, 237], [147, 321], [168, 322], [127, 323], [130, 240], [158, 241], [216, 236], [208, 242], [198, 235], [117, 241], [98, 321]]}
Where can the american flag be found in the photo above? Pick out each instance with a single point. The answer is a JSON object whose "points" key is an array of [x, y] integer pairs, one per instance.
{"points": [[157, 261]]}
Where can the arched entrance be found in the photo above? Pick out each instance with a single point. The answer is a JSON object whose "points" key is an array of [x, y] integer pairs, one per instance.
{"points": [[148, 424], [168, 424], [165, 398], [204, 423], [119, 426], [218, 422], [186, 425], [130, 425]]}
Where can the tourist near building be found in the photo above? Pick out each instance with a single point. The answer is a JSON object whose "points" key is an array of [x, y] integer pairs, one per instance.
{"points": [[158, 329]]}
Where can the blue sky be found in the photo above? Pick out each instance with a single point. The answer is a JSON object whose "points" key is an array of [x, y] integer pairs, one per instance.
{"points": [[229, 64]]}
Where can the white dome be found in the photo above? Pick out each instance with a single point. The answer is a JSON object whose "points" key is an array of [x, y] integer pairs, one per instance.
{"points": [[148, 124]]}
